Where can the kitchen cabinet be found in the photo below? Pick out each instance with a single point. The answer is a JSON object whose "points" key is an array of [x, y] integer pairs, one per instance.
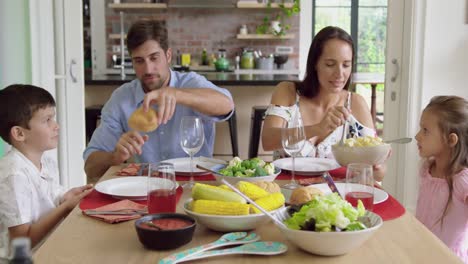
{"points": [[189, 32]]}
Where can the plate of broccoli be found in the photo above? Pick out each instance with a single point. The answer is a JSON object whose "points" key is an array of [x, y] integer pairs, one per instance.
{"points": [[254, 169]]}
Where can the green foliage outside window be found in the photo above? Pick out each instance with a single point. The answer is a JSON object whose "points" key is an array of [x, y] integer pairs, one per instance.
{"points": [[372, 19]]}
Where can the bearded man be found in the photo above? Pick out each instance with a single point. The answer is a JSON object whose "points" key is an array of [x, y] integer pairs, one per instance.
{"points": [[171, 94]]}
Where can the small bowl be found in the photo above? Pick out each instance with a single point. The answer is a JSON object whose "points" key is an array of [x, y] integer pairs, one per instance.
{"points": [[328, 243], [228, 223], [373, 155], [164, 239], [233, 180]]}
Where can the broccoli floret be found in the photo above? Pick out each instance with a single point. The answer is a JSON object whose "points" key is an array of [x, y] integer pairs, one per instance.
{"points": [[226, 172], [270, 168], [239, 174], [258, 162], [247, 164], [250, 172], [259, 171], [235, 162]]}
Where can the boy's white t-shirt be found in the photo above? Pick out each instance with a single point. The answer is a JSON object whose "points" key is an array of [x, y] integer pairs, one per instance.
{"points": [[26, 193]]}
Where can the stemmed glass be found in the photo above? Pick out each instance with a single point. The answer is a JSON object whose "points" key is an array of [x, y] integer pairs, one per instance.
{"points": [[191, 140], [293, 140]]}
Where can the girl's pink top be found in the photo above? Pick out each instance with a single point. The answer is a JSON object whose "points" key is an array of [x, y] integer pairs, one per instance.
{"points": [[433, 196]]}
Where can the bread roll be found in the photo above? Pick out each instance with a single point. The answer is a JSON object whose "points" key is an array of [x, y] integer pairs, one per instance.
{"points": [[303, 195], [143, 121], [271, 187]]}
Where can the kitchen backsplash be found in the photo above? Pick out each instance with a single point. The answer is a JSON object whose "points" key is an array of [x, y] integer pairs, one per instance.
{"points": [[193, 29]]}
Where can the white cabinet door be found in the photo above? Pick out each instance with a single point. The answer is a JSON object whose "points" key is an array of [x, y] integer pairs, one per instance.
{"points": [[57, 64], [402, 88]]}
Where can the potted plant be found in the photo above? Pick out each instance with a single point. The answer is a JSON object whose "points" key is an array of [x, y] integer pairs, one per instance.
{"points": [[276, 24]]}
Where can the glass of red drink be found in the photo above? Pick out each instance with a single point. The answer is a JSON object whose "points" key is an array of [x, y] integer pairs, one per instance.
{"points": [[360, 185], [161, 188]]}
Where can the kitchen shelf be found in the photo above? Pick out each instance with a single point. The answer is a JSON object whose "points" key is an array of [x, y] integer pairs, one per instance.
{"points": [[241, 4], [116, 36], [264, 36], [137, 6]]}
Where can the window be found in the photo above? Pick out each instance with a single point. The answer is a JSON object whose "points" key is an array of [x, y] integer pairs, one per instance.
{"points": [[365, 20]]}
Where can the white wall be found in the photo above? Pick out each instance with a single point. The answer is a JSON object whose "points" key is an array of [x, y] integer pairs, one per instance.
{"points": [[15, 58], [445, 68], [440, 67]]}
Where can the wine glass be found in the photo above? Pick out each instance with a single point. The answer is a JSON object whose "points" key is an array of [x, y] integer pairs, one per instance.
{"points": [[360, 185], [191, 140], [293, 140]]}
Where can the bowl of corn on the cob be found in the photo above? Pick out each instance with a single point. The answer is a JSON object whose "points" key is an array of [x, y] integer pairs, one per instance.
{"points": [[220, 209]]}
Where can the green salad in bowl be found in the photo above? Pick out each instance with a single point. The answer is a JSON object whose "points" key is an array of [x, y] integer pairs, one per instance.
{"points": [[327, 213], [328, 225]]}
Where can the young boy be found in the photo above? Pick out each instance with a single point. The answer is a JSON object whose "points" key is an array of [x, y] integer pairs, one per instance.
{"points": [[31, 200]]}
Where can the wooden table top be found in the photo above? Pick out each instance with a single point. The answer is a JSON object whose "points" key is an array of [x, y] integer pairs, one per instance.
{"points": [[82, 239]]}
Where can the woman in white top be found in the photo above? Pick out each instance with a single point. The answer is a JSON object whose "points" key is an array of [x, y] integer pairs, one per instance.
{"points": [[322, 99]]}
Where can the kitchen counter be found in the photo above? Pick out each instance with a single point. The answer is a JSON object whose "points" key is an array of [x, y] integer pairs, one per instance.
{"points": [[218, 78]]}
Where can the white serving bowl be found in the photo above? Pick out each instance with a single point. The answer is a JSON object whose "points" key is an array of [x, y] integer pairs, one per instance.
{"points": [[228, 223], [233, 180], [328, 243], [373, 155]]}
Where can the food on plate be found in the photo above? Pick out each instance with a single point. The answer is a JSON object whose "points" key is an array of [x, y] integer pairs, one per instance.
{"points": [[248, 168], [202, 191], [208, 199], [304, 195], [367, 141], [143, 121], [326, 213], [270, 187]]}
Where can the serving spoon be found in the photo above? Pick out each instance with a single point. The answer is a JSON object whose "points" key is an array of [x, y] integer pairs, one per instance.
{"points": [[228, 239], [399, 140], [256, 248]]}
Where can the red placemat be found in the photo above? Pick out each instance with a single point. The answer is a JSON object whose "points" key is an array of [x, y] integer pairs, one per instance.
{"points": [[204, 177], [339, 173], [96, 199], [389, 209]]}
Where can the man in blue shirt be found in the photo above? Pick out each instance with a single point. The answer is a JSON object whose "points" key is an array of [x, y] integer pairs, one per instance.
{"points": [[172, 94]]}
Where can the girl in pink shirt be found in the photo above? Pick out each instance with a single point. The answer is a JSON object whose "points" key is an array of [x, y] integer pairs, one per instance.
{"points": [[443, 191]]}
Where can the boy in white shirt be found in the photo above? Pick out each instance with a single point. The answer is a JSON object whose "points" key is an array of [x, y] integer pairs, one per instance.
{"points": [[31, 200]]}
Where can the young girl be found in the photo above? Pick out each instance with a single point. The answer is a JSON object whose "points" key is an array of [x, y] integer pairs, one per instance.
{"points": [[443, 192]]}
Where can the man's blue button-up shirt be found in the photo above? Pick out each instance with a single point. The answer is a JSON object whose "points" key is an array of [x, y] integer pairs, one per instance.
{"points": [[164, 142]]}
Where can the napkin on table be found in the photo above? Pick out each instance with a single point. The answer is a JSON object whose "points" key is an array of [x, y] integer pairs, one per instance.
{"points": [[123, 204], [129, 170]]}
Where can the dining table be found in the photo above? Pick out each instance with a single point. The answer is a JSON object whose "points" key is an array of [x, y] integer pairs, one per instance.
{"points": [[83, 239]]}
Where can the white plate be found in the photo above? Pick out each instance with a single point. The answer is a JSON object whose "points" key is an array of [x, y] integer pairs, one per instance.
{"points": [[132, 188], [379, 194], [182, 165], [307, 166]]}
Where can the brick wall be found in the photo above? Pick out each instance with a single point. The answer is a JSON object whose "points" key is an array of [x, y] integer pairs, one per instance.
{"points": [[192, 29]]}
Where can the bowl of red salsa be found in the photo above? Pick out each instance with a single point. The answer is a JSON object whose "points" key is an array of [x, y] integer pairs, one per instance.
{"points": [[165, 231]]}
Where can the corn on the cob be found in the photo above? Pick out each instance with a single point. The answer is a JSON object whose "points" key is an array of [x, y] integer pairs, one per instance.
{"points": [[219, 207], [225, 187], [251, 190], [208, 192], [271, 202]]}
